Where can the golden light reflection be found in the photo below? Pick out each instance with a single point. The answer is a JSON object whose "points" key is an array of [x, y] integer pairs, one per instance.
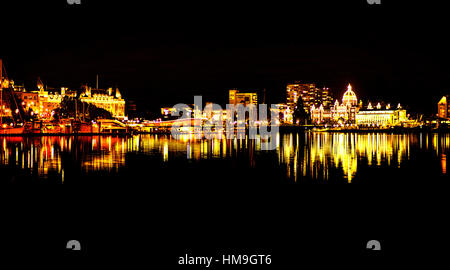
{"points": [[444, 163], [313, 155]]}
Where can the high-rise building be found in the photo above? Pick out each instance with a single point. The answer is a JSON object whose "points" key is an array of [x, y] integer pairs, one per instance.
{"points": [[444, 107], [310, 94], [325, 97], [235, 97], [303, 90]]}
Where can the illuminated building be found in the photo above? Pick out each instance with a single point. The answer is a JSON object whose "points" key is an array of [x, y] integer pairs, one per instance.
{"points": [[48, 102], [235, 97], [351, 112], [324, 98], [109, 100], [379, 116], [349, 97], [284, 112], [304, 90], [167, 111], [310, 94], [341, 113], [315, 99], [444, 107], [30, 100], [43, 102]]}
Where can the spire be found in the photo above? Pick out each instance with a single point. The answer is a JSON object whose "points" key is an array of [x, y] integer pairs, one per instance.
{"points": [[40, 85], [118, 94]]}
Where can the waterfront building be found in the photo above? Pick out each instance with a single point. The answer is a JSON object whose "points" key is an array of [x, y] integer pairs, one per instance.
{"points": [[30, 100], [236, 97], [310, 94], [43, 102], [305, 91], [167, 111], [351, 112], [381, 116], [313, 99], [341, 113], [48, 102], [110, 100], [284, 112], [444, 107], [324, 97]]}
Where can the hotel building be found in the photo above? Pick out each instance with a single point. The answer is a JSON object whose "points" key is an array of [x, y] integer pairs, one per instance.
{"points": [[381, 116], [236, 97], [110, 100], [43, 102], [310, 94], [444, 107]]}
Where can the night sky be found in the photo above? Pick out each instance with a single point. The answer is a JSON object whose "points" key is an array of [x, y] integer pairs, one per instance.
{"points": [[164, 53]]}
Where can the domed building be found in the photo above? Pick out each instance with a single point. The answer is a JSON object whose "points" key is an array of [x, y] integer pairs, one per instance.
{"points": [[350, 113], [344, 113], [349, 97]]}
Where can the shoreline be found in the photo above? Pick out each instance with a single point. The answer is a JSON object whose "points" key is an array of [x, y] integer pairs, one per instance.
{"points": [[291, 129], [287, 129]]}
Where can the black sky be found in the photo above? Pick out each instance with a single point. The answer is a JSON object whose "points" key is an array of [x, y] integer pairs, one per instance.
{"points": [[164, 53]]}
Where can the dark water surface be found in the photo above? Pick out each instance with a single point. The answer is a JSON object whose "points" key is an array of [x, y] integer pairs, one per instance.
{"points": [[151, 196], [298, 158]]}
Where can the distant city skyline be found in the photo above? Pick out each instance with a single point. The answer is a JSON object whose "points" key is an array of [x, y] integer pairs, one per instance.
{"points": [[179, 50]]}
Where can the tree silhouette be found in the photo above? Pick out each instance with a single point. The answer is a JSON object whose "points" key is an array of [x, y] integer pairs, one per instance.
{"points": [[69, 108], [300, 114]]}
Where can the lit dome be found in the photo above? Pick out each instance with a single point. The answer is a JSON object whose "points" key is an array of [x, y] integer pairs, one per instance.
{"points": [[349, 97]]}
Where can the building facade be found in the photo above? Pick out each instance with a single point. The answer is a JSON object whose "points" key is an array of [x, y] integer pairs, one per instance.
{"points": [[340, 113], [381, 117], [42, 103], [310, 94], [236, 97], [444, 107], [109, 100], [351, 112]]}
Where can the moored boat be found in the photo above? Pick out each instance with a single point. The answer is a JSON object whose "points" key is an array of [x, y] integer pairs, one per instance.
{"points": [[11, 130]]}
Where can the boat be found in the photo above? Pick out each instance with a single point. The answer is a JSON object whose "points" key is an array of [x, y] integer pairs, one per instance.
{"points": [[11, 131]]}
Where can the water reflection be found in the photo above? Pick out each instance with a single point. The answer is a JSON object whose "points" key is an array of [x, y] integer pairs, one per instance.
{"points": [[309, 156], [315, 154]]}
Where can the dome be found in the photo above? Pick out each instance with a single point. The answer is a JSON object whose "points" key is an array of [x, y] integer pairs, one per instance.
{"points": [[349, 97]]}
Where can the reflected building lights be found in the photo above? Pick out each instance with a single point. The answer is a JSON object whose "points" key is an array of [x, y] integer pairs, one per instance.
{"points": [[313, 155], [325, 151]]}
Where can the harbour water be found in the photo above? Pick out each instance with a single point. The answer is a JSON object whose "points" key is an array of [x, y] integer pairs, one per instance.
{"points": [[313, 157]]}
